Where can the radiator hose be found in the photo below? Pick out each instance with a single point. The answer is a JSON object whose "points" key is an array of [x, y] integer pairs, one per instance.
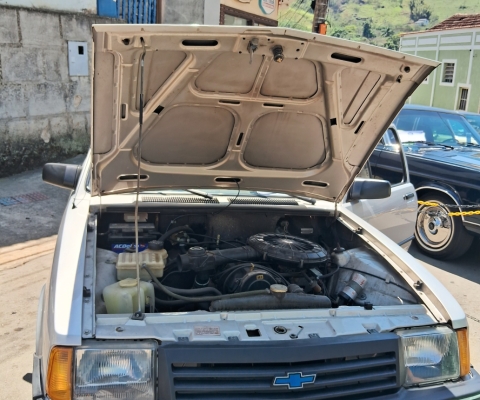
{"points": [[168, 292]]}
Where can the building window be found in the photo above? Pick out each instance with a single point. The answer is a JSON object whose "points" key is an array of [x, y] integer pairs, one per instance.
{"points": [[232, 20], [462, 104], [448, 72]]}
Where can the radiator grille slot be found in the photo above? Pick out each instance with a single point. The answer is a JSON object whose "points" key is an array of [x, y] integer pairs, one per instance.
{"points": [[183, 200], [262, 201]]}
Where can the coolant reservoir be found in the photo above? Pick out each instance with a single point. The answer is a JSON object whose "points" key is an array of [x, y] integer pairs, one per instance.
{"points": [[156, 246], [127, 264], [121, 297]]}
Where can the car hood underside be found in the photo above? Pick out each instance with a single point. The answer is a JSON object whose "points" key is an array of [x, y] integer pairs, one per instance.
{"points": [[221, 111]]}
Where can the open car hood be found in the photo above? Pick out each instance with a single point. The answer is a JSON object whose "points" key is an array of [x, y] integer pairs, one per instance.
{"points": [[215, 117]]}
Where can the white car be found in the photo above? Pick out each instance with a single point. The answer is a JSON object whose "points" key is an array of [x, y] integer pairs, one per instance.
{"points": [[182, 271]]}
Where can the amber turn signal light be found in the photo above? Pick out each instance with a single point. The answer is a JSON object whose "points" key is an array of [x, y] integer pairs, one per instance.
{"points": [[464, 351], [59, 376]]}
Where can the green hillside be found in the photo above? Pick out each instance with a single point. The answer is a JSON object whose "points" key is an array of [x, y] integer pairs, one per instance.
{"points": [[377, 22]]}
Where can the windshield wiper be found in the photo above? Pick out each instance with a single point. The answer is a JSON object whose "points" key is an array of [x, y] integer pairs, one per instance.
{"points": [[470, 144], [430, 144], [200, 193]]}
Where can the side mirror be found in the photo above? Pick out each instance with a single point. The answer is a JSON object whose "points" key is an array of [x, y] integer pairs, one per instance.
{"points": [[370, 189], [61, 175]]}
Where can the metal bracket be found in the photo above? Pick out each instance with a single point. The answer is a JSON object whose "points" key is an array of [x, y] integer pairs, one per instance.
{"points": [[252, 47], [138, 316], [89, 277]]}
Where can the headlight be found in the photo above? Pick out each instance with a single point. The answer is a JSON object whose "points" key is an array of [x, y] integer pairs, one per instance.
{"points": [[114, 371], [430, 355]]}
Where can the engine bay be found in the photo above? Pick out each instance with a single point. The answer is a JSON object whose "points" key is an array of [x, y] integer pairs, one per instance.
{"points": [[238, 261]]}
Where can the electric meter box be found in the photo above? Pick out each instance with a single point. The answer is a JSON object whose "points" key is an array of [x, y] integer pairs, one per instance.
{"points": [[77, 59]]}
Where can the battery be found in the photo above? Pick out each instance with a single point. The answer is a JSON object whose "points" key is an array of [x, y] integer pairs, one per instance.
{"points": [[121, 236]]}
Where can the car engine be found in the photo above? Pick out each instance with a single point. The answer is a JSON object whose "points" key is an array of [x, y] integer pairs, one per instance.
{"points": [[206, 265]]}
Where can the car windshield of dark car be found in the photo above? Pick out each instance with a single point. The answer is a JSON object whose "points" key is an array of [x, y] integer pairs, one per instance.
{"points": [[463, 131], [433, 127], [474, 120]]}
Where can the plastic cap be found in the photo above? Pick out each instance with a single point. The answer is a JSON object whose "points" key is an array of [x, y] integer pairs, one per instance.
{"points": [[155, 245], [129, 282], [277, 288]]}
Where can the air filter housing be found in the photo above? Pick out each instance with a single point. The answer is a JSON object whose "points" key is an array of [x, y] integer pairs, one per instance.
{"points": [[288, 250]]}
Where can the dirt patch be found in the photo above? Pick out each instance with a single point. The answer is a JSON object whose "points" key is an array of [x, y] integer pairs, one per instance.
{"points": [[22, 154]]}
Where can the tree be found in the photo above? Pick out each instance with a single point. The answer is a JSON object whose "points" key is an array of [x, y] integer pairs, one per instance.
{"points": [[387, 31], [345, 32], [393, 42], [418, 9], [367, 31]]}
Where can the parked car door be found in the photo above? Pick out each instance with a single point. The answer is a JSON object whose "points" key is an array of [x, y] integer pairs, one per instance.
{"points": [[394, 216]]}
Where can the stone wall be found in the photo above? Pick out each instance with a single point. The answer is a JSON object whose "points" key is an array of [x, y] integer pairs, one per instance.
{"points": [[44, 112]]}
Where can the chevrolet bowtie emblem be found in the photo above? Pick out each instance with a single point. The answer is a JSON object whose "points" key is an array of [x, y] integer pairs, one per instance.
{"points": [[294, 380]]}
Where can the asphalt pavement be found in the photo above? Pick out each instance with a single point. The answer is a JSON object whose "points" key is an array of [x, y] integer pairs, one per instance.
{"points": [[30, 214], [30, 208]]}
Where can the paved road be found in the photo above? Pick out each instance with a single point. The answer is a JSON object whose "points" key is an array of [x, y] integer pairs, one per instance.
{"points": [[29, 208], [24, 268]]}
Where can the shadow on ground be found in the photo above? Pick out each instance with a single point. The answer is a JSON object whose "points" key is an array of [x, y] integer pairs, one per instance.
{"points": [[467, 266]]}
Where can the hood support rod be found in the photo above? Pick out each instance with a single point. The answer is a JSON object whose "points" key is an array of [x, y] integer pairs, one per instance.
{"points": [[138, 315]]}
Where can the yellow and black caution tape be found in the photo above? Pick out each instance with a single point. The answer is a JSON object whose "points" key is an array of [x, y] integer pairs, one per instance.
{"points": [[453, 214]]}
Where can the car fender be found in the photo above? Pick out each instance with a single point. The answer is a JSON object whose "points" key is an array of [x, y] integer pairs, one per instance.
{"points": [[439, 187], [434, 295]]}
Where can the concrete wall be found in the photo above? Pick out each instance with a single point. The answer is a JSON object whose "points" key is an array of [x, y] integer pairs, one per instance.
{"points": [[83, 6], [44, 112], [203, 12]]}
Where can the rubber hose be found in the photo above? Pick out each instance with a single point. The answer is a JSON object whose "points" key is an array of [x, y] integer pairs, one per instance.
{"points": [[169, 233], [206, 298], [170, 303], [198, 291], [330, 273], [263, 302]]}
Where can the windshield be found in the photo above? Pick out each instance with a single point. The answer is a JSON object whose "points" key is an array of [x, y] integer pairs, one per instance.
{"points": [[474, 120], [435, 128]]}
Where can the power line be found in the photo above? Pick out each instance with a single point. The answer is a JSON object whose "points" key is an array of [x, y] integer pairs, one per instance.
{"points": [[299, 3], [303, 16]]}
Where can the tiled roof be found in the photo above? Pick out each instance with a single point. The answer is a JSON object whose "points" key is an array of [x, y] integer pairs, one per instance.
{"points": [[458, 21]]}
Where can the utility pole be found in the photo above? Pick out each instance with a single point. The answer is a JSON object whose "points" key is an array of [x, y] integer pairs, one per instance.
{"points": [[319, 16]]}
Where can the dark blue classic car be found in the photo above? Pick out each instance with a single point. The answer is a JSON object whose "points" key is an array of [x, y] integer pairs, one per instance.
{"points": [[443, 155]]}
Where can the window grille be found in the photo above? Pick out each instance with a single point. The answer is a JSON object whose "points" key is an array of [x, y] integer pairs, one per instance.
{"points": [[462, 104], [448, 72]]}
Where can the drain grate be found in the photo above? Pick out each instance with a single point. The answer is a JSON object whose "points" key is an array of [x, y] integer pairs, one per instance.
{"points": [[22, 199]]}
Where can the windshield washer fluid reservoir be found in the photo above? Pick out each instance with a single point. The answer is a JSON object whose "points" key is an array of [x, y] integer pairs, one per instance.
{"points": [[127, 264], [121, 297]]}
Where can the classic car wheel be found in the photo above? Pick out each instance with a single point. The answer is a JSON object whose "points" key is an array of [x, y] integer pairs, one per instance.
{"points": [[438, 234]]}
